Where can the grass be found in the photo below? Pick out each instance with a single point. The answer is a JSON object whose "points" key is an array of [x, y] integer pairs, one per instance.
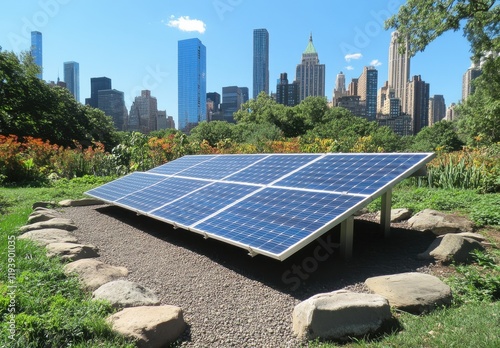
{"points": [[52, 311], [470, 325]]}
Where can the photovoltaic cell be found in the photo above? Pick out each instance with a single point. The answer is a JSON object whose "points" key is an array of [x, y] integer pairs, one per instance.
{"points": [[354, 174], [221, 166], [276, 219], [203, 203], [272, 204], [121, 187], [161, 193], [271, 168], [180, 164]]}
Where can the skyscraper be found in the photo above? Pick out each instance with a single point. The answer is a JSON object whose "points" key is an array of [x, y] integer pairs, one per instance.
{"points": [[310, 74], [287, 93], [72, 78], [437, 109], [97, 84], [470, 75], [260, 62], [192, 83], [144, 113], [339, 90], [367, 91], [399, 69], [112, 102], [36, 51], [418, 103], [232, 98]]}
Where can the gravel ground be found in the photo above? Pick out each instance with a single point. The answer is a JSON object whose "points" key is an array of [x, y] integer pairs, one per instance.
{"points": [[229, 298]]}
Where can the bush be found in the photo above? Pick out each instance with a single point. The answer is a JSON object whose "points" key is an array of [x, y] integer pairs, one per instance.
{"points": [[477, 282]]}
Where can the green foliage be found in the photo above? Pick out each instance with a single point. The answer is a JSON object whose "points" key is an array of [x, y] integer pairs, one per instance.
{"points": [[30, 107], [468, 169], [477, 282], [439, 137], [416, 199], [487, 211], [422, 21], [213, 132], [479, 115]]}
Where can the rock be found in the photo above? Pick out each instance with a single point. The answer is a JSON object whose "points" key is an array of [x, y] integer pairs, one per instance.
{"points": [[40, 216], [339, 315], [49, 235], [476, 236], [93, 273], [80, 202], [59, 223], [150, 326], [439, 223], [47, 204], [40, 210], [411, 292], [124, 293], [451, 247], [398, 215], [71, 251], [362, 211]]}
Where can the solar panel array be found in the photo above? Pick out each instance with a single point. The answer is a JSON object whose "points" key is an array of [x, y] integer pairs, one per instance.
{"points": [[270, 204]]}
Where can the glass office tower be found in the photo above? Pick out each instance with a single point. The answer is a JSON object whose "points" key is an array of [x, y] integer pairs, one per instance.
{"points": [[260, 62], [72, 78], [192, 83], [36, 51]]}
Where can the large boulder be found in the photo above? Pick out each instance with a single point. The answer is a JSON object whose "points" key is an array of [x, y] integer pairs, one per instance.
{"points": [[93, 273], [340, 314], [60, 223], [398, 215], [451, 247], [150, 326], [124, 293], [411, 292], [439, 223], [80, 202], [71, 251], [49, 235]]}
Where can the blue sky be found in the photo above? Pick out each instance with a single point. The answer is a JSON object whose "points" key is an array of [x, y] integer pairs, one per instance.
{"points": [[135, 42]]}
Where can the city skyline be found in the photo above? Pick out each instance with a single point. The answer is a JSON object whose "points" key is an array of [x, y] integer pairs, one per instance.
{"points": [[347, 37]]}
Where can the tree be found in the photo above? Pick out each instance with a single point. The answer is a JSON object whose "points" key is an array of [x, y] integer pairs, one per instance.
{"points": [[30, 107], [479, 115], [422, 21], [213, 132], [440, 136]]}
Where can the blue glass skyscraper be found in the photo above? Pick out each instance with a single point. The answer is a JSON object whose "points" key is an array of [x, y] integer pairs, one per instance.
{"points": [[260, 62], [72, 78], [192, 83], [36, 50]]}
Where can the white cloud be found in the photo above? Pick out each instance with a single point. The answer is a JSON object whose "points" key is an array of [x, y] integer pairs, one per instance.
{"points": [[375, 62], [351, 56], [184, 23], [349, 67]]}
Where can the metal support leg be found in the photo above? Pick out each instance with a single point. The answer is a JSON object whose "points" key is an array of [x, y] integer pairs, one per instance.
{"points": [[385, 213], [346, 235]]}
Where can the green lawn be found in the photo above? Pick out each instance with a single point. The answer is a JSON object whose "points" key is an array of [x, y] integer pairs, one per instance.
{"points": [[52, 311]]}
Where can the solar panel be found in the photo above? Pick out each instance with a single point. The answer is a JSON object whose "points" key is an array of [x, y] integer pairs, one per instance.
{"points": [[270, 204]]}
